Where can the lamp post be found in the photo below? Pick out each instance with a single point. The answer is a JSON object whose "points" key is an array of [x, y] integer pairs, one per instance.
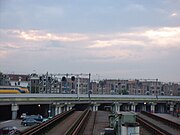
{"points": [[78, 87], [49, 112]]}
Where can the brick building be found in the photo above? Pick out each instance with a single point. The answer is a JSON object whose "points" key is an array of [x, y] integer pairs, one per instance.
{"points": [[4, 79], [135, 87]]}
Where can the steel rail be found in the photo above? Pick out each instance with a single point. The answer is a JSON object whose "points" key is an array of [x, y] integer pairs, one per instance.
{"points": [[78, 124], [43, 127], [94, 121], [151, 127]]}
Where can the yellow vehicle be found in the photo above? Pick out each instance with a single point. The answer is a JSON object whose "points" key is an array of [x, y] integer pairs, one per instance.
{"points": [[13, 90]]}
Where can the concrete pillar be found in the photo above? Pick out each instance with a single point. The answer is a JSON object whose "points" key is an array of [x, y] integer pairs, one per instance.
{"points": [[94, 106], [144, 107], [153, 108], [14, 109], [162, 110], [69, 107], [133, 107], [118, 107], [113, 108], [171, 108], [58, 109]]}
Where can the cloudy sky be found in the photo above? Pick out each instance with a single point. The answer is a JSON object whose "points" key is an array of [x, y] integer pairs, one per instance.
{"points": [[108, 38]]}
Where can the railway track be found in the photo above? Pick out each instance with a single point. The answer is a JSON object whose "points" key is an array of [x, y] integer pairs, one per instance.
{"points": [[93, 125], [63, 126], [158, 125], [79, 124], [90, 125], [68, 123], [46, 126], [96, 124], [72, 123]]}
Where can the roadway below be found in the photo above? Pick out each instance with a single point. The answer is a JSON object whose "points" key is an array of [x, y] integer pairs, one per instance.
{"points": [[16, 123]]}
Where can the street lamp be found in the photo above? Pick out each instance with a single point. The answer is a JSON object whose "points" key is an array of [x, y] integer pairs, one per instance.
{"points": [[49, 112]]}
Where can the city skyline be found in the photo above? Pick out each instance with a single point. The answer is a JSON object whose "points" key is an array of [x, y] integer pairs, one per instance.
{"points": [[113, 39]]}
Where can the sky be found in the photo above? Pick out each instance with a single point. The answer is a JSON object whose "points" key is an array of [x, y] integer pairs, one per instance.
{"points": [[120, 39]]}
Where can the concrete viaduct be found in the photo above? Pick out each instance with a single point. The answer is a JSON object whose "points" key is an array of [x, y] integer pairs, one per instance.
{"points": [[57, 103]]}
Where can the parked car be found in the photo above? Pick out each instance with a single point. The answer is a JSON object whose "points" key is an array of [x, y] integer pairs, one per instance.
{"points": [[35, 117], [29, 122], [9, 130]]}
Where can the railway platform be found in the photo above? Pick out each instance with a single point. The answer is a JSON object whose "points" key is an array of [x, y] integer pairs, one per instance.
{"points": [[168, 117]]}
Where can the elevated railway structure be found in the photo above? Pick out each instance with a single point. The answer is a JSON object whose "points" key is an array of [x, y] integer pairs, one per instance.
{"points": [[81, 98], [57, 103], [158, 125]]}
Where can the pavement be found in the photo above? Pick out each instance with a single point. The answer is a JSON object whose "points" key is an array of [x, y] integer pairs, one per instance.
{"points": [[16, 123]]}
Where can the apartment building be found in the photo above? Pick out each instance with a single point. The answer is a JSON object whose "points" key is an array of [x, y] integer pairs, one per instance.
{"points": [[172, 89], [4, 79], [75, 84], [18, 80], [44, 84], [111, 86], [34, 83], [135, 87], [48, 83], [83, 85], [94, 87]]}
